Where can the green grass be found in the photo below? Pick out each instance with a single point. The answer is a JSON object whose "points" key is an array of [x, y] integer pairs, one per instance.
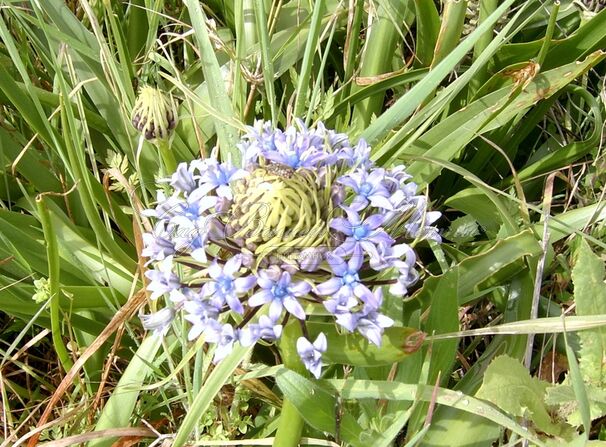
{"points": [[500, 122]]}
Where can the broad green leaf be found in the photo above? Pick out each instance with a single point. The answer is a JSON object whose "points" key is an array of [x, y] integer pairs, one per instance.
{"points": [[19, 240], [580, 391], [345, 348], [428, 24], [590, 299], [564, 397], [378, 389], [508, 385], [406, 105], [491, 267], [445, 140], [463, 229], [452, 20], [381, 41], [584, 40], [217, 95], [451, 426], [17, 301], [317, 406], [547, 325], [443, 317]]}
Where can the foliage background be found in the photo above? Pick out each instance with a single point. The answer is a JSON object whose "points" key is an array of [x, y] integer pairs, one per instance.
{"points": [[496, 107]]}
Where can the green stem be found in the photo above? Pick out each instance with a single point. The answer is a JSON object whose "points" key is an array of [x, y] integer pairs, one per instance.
{"points": [[54, 270], [383, 36], [553, 17], [487, 7], [268, 66], [290, 426], [168, 158], [306, 65]]}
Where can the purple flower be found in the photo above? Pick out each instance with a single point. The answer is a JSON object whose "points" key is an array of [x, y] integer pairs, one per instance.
{"points": [[165, 207], [218, 177], [368, 186], [371, 326], [310, 258], [396, 206], [298, 149], [397, 177], [370, 323], [279, 292], [340, 306], [266, 329], [259, 139], [192, 237], [406, 269], [183, 179], [336, 141], [158, 322], [311, 354], [162, 279], [224, 269], [202, 314], [356, 156], [226, 286], [408, 276], [346, 280], [158, 244], [391, 256], [365, 233], [224, 337], [419, 224], [192, 209]]}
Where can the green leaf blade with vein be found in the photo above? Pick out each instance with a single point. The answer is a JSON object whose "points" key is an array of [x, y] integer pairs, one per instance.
{"points": [[590, 299], [508, 385]]}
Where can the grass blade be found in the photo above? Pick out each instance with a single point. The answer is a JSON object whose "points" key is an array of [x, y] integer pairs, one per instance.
{"points": [[227, 135]]}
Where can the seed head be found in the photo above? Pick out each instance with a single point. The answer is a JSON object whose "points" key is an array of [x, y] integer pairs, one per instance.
{"points": [[153, 114]]}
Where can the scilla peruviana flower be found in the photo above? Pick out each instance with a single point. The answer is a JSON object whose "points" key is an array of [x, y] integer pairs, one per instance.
{"points": [[308, 218]]}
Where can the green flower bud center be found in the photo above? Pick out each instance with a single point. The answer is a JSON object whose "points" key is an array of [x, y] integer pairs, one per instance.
{"points": [[278, 211]]}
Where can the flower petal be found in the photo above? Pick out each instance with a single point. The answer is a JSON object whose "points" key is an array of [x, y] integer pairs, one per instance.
{"points": [[336, 263], [303, 346], [293, 306], [215, 271], [341, 224], [329, 287], [381, 202], [321, 344], [232, 266], [234, 303], [300, 288], [275, 310], [374, 221], [356, 260], [244, 284], [260, 298]]}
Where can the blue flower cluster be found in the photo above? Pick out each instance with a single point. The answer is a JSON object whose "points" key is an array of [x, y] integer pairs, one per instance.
{"points": [[332, 223]]}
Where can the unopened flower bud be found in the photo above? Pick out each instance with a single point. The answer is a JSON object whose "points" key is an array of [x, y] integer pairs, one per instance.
{"points": [[153, 114]]}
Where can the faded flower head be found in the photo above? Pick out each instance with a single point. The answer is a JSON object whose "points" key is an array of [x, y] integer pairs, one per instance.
{"points": [[153, 114], [308, 218]]}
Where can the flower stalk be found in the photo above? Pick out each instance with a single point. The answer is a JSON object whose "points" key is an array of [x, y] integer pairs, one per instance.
{"points": [[54, 271], [290, 425]]}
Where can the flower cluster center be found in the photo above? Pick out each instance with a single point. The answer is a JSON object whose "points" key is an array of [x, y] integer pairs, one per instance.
{"points": [[280, 211]]}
